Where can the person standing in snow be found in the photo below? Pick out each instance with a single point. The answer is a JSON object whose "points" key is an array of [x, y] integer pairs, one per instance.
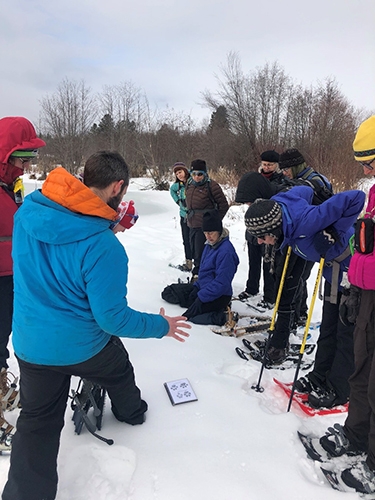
{"points": [[18, 147], [294, 167], [177, 191], [269, 168], [202, 194], [289, 219], [357, 436], [70, 308]]}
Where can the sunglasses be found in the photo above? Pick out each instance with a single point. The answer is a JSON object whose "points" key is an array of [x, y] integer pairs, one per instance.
{"points": [[197, 174], [24, 160], [367, 165]]}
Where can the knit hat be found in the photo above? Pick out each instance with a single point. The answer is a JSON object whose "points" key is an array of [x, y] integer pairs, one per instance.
{"points": [[290, 158], [364, 142], [271, 156], [212, 222], [199, 165], [127, 215], [264, 217], [252, 186], [180, 166]]}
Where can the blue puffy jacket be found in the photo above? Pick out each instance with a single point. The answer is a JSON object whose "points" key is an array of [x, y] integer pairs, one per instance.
{"points": [[301, 221], [70, 275], [217, 269]]}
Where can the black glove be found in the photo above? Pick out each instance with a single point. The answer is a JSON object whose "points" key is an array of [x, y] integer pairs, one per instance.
{"points": [[325, 239], [194, 310], [349, 305]]}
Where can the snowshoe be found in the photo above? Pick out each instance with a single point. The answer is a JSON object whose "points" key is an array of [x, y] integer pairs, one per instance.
{"points": [[88, 396]]}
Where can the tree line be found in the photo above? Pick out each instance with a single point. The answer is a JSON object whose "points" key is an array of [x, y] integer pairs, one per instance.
{"points": [[250, 113]]}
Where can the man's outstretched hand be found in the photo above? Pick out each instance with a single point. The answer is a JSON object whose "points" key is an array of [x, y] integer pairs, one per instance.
{"points": [[176, 323]]}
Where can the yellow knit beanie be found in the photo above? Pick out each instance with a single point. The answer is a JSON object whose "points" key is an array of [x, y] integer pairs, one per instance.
{"points": [[364, 142]]}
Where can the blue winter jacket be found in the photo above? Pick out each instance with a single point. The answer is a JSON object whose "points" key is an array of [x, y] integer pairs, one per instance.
{"points": [[301, 221], [217, 269], [70, 275], [177, 191]]}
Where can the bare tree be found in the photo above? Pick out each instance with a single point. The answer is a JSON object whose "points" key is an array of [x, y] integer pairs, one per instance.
{"points": [[67, 117]]}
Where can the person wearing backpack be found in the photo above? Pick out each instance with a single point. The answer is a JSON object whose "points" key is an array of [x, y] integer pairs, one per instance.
{"points": [[293, 165], [313, 232], [295, 169], [202, 194], [177, 191]]}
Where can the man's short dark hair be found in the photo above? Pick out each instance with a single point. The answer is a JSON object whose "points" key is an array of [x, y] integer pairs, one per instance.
{"points": [[105, 167]]}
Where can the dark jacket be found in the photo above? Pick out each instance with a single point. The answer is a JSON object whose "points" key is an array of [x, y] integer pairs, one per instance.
{"points": [[202, 198]]}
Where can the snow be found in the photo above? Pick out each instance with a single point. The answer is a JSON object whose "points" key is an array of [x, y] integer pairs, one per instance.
{"points": [[233, 443]]}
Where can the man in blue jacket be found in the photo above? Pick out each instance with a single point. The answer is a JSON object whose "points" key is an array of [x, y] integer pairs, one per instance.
{"points": [[70, 307], [313, 231]]}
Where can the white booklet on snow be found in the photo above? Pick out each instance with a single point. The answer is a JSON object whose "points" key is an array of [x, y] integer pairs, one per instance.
{"points": [[180, 391]]}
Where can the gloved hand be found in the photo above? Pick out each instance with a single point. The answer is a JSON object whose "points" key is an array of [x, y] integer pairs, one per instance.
{"points": [[349, 305], [194, 310], [325, 239]]}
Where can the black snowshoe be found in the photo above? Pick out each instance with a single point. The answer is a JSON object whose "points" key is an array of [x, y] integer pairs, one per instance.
{"points": [[89, 396]]}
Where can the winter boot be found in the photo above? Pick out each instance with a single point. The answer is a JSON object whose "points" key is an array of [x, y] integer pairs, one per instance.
{"points": [[276, 356], [336, 444], [188, 264], [265, 305], [9, 396], [245, 295], [360, 477], [309, 383], [6, 434], [322, 397], [231, 318]]}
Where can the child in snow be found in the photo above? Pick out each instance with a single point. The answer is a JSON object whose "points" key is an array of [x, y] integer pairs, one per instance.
{"points": [[289, 219], [208, 298]]}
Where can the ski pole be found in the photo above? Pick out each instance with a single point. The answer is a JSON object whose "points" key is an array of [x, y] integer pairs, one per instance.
{"points": [[307, 327], [258, 387]]}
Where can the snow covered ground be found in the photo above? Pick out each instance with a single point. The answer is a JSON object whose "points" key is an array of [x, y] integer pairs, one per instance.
{"points": [[233, 443]]}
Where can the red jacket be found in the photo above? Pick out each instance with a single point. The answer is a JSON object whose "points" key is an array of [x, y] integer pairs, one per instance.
{"points": [[15, 133]]}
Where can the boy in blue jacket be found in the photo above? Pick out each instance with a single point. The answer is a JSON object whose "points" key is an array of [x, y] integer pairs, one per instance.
{"points": [[313, 231]]}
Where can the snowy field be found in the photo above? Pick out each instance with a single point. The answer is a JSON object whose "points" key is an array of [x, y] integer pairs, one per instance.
{"points": [[233, 443]]}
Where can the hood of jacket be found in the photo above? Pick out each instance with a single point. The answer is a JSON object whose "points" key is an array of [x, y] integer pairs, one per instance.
{"points": [[64, 211], [16, 133]]}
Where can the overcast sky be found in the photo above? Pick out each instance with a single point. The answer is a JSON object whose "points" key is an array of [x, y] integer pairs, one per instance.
{"points": [[172, 49]]}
